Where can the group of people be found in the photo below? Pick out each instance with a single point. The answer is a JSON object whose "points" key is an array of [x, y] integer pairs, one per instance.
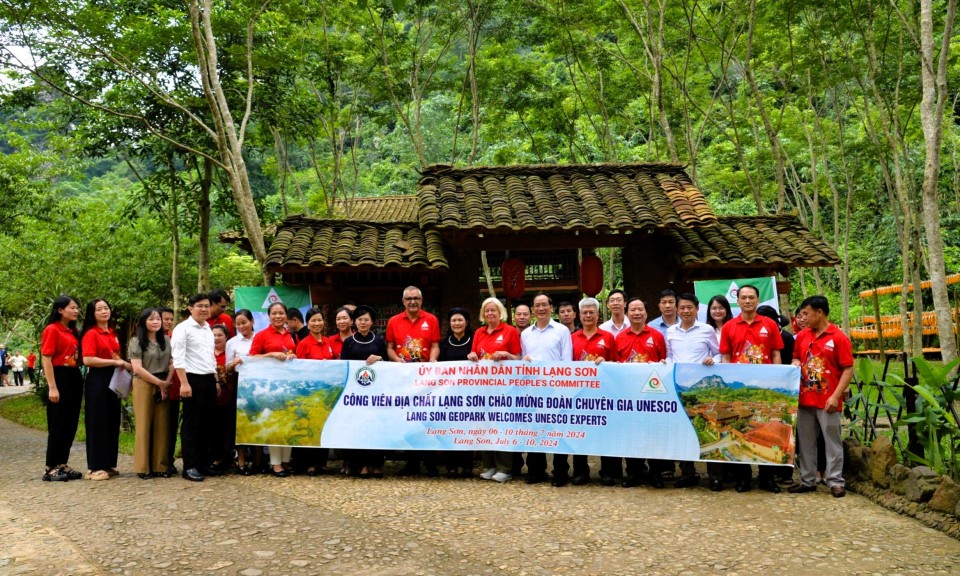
{"points": [[18, 365], [196, 363]]}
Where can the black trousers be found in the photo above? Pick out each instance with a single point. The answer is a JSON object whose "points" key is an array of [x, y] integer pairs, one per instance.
{"points": [[64, 416], [198, 437], [537, 464], [741, 472], [101, 417], [18, 377]]}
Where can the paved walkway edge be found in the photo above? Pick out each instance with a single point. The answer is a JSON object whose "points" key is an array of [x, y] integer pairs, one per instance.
{"points": [[945, 523]]}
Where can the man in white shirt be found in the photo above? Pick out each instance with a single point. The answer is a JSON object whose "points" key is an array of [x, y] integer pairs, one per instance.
{"points": [[693, 342], [616, 304], [546, 341], [668, 312], [195, 362]]}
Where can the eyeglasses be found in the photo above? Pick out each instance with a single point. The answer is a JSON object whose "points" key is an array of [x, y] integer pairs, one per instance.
{"points": [[412, 298]]}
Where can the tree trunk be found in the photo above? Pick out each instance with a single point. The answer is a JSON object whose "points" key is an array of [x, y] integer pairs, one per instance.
{"points": [[229, 142], [203, 241], [934, 82]]}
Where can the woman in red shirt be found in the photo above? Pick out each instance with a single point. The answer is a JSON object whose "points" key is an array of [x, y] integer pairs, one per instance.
{"points": [[496, 341], [314, 346], [101, 416], [59, 344], [275, 342], [223, 410], [344, 323]]}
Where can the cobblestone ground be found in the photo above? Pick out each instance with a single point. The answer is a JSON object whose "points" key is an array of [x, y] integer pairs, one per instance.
{"points": [[331, 525]]}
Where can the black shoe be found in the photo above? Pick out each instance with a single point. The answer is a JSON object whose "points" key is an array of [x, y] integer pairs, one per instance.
{"points": [[211, 471], [55, 475], [580, 479], [71, 473], [838, 491], [409, 469], [160, 475], [801, 489], [655, 481], [536, 478], [687, 482], [559, 481], [280, 473], [312, 472], [630, 482], [143, 476], [716, 485], [172, 470], [608, 480], [743, 486], [770, 486], [245, 470], [193, 475]]}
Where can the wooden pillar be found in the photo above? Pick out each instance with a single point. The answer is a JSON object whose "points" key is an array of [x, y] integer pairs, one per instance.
{"points": [[461, 284], [648, 268]]}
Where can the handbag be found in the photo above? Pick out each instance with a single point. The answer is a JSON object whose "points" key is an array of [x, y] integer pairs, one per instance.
{"points": [[173, 392], [120, 382]]}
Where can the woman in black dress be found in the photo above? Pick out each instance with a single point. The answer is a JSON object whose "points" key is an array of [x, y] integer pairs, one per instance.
{"points": [[456, 346], [370, 347]]}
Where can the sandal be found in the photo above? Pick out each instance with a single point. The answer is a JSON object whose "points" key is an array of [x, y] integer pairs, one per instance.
{"points": [[98, 475], [70, 472], [113, 472]]}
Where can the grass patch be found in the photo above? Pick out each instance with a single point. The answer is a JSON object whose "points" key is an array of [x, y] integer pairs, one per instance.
{"points": [[27, 410]]}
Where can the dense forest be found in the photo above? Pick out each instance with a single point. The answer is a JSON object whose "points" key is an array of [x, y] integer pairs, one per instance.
{"points": [[133, 132]]}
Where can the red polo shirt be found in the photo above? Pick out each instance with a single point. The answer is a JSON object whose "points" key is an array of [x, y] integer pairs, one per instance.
{"points": [[504, 338], [750, 343], [31, 360], [101, 343], [412, 339], [647, 346], [336, 343], [601, 344], [822, 359], [226, 320], [59, 343], [271, 340], [312, 349]]}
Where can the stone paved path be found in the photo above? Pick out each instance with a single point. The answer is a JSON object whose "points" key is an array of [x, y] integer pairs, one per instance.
{"points": [[328, 525]]}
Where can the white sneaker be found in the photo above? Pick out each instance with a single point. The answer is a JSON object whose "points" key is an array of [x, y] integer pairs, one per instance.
{"points": [[502, 477], [488, 474]]}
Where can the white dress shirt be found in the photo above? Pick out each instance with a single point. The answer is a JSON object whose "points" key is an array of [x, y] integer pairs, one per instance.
{"points": [[694, 345], [192, 347], [612, 328], [552, 343], [238, 346]]}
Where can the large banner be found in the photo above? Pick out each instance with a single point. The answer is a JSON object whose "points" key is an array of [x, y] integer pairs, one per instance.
{"points": [[725, 412], [258, 298], [707, 289]]}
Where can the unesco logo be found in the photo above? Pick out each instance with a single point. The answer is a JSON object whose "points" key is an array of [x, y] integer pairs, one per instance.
{"points": [[365, 376]]}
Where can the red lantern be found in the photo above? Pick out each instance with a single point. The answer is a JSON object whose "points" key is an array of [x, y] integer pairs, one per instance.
{"points": [[512, 274], [591, 275]]}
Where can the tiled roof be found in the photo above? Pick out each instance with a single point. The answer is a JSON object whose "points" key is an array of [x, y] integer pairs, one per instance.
{"points": [[308, 242], [771, 434], [753, 241], [561, 197], [378, 209]]}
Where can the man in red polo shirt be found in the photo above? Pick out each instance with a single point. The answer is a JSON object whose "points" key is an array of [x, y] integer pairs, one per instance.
{"points": [[590, 344], [414, 336], [749, 339], [219, 301], [638, 343], [825, 357]]}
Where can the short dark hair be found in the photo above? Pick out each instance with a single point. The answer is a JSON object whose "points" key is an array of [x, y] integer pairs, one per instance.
{"points": [[750, 286], [666, 293], [565, 303], [527, 306], [770, 312], [689, 297], [221, 328], [199, 297], [617, 291], [218, 295], [293, 313], [310, 313], [274, 305], [165, 309], [539, 294], [635, 299], [817, 302], [245, 313]]}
